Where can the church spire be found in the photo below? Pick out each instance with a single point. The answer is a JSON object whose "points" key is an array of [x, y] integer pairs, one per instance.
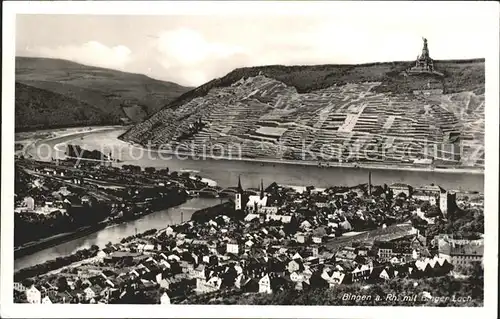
{"points": [[240, 189]]}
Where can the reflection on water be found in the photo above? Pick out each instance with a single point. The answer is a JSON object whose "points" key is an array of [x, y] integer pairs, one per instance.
{"points": [[158, 220]]}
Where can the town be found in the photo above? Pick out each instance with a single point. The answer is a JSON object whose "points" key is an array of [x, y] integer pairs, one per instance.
{"points": [[258, 243], [76, 195]]}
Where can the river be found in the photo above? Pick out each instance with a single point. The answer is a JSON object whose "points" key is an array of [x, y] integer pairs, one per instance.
{"points": [[225, 173], [114, 233]]}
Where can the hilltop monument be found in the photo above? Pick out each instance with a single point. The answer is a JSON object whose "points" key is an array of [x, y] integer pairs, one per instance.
{"points": [[424, 63]]}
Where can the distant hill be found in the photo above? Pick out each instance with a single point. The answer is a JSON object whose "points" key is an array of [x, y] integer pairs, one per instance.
{"points": [[37, 108], [117, 94], [270, 110]]}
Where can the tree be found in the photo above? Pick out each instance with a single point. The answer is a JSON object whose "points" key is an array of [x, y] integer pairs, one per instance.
{"points": [[62, 284], [425, 206], [474, 270], [433, 211]]}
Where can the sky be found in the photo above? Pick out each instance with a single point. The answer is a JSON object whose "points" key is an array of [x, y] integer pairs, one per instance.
{"points": [[193, 49]]}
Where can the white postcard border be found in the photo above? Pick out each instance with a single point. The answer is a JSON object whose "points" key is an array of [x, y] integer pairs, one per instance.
{"points": [[490, 18]]}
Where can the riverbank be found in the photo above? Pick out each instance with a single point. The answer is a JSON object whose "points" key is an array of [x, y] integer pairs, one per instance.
{"points": [[114, 233], [31, 139], [374, 166], [44, 243]]}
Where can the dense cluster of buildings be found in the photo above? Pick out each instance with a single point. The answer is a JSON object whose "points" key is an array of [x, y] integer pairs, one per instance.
{"points": [[275, 239]]}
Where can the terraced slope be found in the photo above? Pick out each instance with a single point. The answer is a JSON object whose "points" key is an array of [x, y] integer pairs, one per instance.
{"points": [[357, 113], [119, 94]]}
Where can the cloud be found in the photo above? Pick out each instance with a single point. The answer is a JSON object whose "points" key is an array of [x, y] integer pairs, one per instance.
{"points": [[187, 47], [192, 51], [90, 53], [189, 58]]}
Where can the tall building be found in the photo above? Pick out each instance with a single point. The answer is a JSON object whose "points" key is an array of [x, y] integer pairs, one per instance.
{"points": [[461, 252], [447, 202], [238, 196]]}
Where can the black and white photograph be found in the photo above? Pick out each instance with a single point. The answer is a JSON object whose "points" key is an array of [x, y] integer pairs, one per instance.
{"points": [[230, 154]]}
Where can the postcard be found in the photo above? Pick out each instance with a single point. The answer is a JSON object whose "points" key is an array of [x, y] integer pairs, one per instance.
{"points": [[250, 159]]}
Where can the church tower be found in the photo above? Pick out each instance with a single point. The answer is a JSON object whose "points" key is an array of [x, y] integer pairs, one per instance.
{"points": [[238, 196]]}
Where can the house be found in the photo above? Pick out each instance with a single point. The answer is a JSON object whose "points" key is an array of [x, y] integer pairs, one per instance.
{"points": [[385, 251], [46, 300], [238, 269], [268, 210], [256, 203], [430, 193], [361, 273], [206, 286], [232, 247], [89, 293], [174, 257], [387, 273], [404, 254], [249, 243], [381, 273], [169, 231], [400, 188], [250, 217], [346, 254], [199, 271], [19, 287], [295, 277], [186, 267], [165, 299], [305, 225], [164, 283], [433, 266], [315, 251], [100, 256], [295, 265], [362, 251], [239, 280], [460, 253], [265, 284], [333, 277], [297, 256], [300, 238], [33, 295], [302, 285], [165, 264], [317, 239], [30, 203]]}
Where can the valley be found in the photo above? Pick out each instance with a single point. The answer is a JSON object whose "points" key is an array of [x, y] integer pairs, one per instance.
{"points": [[59, 93]]}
